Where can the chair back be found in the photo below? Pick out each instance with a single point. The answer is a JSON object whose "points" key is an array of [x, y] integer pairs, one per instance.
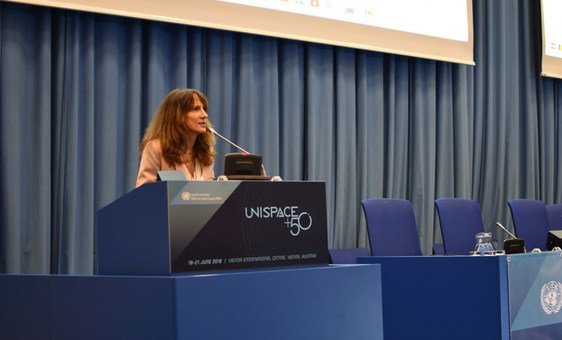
{"points": [[460, 220], [554, 214], [530, 222], [392, 227]]}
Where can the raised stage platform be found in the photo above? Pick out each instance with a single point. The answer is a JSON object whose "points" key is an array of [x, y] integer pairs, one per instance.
{"points": [[322, 302]]}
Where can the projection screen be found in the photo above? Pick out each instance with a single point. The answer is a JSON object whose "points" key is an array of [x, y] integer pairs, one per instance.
{"points": [[551, 65], [432, 29]]}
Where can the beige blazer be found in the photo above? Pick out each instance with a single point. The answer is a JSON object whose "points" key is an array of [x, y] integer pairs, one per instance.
{"points": [[152, 161]]}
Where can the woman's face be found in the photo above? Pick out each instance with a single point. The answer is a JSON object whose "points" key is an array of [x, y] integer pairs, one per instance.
{"points": [[196, 119]]}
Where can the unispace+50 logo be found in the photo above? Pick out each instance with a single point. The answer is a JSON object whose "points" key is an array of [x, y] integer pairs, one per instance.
{"points": [[296, 221]]}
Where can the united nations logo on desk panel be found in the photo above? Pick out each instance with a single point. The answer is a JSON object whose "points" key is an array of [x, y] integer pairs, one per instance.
{"points": [[551, 297]]}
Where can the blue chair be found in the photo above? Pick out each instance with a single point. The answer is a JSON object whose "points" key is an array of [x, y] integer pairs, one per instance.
{"points": [[391, 226], [460, 220], [554, 214], [530, 222]]}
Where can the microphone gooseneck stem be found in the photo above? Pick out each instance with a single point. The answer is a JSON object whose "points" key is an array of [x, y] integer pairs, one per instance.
{"points": [[214, 132], [505, 229]]}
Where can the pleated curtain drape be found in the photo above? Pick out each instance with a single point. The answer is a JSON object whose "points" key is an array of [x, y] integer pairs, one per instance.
{"points": [[78, 89]]}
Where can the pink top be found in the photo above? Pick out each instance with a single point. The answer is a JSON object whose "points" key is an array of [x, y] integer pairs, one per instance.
{"points": [[152, 161]]}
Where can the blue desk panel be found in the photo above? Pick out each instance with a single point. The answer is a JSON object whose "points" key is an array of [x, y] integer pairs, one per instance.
{"points": [[444, 297], [326, 302]]}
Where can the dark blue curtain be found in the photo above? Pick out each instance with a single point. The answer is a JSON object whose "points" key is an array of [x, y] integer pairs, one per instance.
{"points": [[78, 89]]}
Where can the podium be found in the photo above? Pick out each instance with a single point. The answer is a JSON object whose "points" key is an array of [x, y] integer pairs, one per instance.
{"points": [[158, 250], [172, 227]]}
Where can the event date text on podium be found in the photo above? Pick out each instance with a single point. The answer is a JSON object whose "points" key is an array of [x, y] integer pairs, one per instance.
{"points": [[179, 226]]}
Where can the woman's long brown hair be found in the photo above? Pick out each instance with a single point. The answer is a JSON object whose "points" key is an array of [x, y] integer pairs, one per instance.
{"points": [[168, 126]]}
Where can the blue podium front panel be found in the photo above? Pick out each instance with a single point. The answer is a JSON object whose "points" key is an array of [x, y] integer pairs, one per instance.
{"points": [[325, 302], [444, 297], [342, 302], [24, 307], [97, 307], [535, 295], [176, 227]]}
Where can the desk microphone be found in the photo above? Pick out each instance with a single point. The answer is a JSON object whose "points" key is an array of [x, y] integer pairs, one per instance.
{"points": [[513, 246], [505, 229], [214, 132], [244, 152]]}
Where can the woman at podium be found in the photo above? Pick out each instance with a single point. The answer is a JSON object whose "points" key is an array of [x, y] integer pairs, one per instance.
{"points": [[177, 138]]}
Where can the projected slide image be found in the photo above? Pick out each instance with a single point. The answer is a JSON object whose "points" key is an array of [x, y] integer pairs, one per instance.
{"points": [[445, 19], [552, 11], [430, 29]]}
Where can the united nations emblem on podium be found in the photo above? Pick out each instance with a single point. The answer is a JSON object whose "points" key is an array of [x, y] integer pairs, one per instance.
{"points": [[551, 297]]}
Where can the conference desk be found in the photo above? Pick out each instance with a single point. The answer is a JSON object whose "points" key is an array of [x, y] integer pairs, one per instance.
{"points": [[472, 297], [318, 302]]}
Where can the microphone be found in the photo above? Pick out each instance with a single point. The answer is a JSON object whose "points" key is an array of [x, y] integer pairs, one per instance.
{"points": [[514, 245], [214, 132], [505, 229], [244, 152]]}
